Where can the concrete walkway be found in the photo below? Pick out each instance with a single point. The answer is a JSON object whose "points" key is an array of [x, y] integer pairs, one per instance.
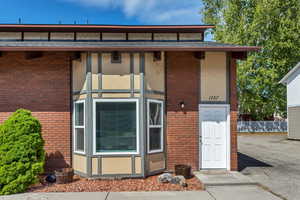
{"points": [[212, 193], [219, 185], [201, 195]]}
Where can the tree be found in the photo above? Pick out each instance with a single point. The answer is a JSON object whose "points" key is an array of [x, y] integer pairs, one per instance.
{"points": [[273, 25], [21, 152]]}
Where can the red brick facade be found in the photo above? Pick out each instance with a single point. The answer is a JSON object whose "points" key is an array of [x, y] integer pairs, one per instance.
{"points": [[41, 85], [233, 115], [182, 82]]}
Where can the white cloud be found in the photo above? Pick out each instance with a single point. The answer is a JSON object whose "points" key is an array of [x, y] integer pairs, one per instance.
{"points": [[152, 11]]}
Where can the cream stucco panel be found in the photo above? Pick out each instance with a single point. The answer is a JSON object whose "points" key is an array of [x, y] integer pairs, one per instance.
{"points": [[35, 36], [62, 36], [113, 36], [115, 68], [88, 36], [155, 96], [79, 74], [95, 166], [155, 73], [165, 36], [140, 36], [156, 162], [136, 67], [116, 82], [116, 95], [95, 63], [116, 165], [214, 77], [95, 81], [190, 36], [137, 82], [138, 165], [10, 35], [79, 163]]}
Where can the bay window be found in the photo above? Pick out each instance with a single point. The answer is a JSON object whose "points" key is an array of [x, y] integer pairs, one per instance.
{"points": [[79, 140], [155, 126], [116, 126]]}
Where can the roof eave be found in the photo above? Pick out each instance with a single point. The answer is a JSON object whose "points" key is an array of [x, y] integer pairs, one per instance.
{"points": [[104, 28], [284, 80], [129, 48]]}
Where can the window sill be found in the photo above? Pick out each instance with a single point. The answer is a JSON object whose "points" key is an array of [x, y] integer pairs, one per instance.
{"points": [[156, 151], [79, 152]]}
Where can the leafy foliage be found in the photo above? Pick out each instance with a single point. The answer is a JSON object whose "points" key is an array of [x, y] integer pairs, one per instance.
{"points": [[21, 152], [275, 26]]}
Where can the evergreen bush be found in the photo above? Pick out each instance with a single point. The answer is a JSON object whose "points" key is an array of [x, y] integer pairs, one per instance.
{"points": [[22, 155]]}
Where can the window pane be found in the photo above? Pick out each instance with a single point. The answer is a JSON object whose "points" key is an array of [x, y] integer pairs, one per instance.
{"points": [[155, 113], [116, 127], [79, 114], [155, 138], [79, 134]]}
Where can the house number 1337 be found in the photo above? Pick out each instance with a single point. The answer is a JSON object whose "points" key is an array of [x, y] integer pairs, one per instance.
{"points": [[213, 98]]}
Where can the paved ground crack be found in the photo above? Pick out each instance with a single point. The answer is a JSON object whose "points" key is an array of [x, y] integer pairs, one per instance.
{"points": [[106, 197], [210, 194], [269, 190]]}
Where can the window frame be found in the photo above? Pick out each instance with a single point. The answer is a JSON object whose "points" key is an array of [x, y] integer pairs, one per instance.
{"points": [[161, 102], [95, 101], [75, 127]]}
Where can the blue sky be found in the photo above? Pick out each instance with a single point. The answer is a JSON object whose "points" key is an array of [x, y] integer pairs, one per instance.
{"points": [[101, 11]]}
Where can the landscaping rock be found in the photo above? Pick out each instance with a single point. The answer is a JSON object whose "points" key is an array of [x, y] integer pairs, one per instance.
{"points": [[165, 178], [178, 180]]}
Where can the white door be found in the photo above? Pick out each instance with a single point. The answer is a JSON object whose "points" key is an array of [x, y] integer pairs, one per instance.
{"points": [[214, 136]]}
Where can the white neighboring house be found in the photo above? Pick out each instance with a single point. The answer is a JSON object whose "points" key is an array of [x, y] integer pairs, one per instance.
{"points": [[292, 81]]}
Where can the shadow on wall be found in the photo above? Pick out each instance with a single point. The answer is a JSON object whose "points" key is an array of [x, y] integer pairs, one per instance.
{"points": [[245, 161], [55, 161]]}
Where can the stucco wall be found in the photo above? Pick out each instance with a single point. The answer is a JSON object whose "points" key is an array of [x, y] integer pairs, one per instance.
{"points": [[155, 73], [79, 73], [293, 89], [293, 120], [213, 81]]}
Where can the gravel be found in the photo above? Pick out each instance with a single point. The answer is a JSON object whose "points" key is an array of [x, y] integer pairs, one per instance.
{"points": [[124, 185]]}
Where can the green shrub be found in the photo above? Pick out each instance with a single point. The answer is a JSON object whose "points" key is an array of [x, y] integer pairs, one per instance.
{"points": [[22, 155]]}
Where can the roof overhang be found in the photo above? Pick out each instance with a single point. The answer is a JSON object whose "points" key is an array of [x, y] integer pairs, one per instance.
{"points": [[285, 79], [105, 28], [123, 46]]}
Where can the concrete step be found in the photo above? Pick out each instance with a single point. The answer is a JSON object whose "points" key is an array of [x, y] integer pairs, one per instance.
{"points": [[223, 178]]}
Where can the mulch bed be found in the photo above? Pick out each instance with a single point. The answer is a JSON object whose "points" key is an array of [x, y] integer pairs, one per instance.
{"points": [[123, 185]]}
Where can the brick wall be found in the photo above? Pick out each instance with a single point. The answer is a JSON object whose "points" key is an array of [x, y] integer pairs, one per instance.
{"points": [[41, 85], [233, 115], [182, 84]]}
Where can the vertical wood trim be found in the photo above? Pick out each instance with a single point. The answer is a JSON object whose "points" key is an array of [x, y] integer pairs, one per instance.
{"points": [[142, 114], [22, 36], [132, 74], [100, 72], [89, 117]]}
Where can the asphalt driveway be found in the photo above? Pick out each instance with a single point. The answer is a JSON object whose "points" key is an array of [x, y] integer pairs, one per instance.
{"points": [[273, 161]]}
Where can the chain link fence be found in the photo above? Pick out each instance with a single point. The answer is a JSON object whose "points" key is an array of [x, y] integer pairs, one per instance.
{"points": [[262, 126]]}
